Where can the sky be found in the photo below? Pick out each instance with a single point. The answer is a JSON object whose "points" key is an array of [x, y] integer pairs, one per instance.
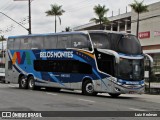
{"points": [[77, 12]]}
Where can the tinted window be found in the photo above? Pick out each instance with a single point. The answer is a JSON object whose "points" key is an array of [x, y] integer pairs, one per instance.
{"points": [[64, 66], [100, 40], [50, 42], [129, 44], [25, 43], [10, 44], [64, 42], [17, 43], [81, 41], [134, 71], [9, 64], [37, 42]]}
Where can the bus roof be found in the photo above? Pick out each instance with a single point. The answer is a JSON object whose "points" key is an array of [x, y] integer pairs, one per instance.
{"points": [[46, 34], [107, 31], [66, 33]]}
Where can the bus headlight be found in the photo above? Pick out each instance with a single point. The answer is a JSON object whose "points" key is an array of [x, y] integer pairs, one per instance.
{"points": [[114, 80], [119, 83]]}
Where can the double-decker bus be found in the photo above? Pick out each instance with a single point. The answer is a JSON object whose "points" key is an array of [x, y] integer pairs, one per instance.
{"points": [[91, 61], [3, 45]]}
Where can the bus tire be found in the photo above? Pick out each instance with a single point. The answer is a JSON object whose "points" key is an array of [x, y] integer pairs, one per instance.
{"points": [[88, 88], [23, 84], [114, 95], [31, 84]]}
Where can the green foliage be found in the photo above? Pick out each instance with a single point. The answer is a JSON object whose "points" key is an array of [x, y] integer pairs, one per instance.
{"points": [[100, 12], [67, 29], [56, 11], [2, 38], [138, 7]]}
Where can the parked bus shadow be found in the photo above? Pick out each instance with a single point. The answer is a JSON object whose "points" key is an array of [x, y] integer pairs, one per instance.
{"points": [[99, 95], [78, 93]]}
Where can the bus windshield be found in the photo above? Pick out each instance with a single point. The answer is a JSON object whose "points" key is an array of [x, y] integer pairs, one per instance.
{"points": [[129, 44], [133, 70]]}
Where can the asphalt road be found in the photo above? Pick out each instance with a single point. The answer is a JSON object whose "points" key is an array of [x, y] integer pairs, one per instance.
{"points": [[14, 99]]}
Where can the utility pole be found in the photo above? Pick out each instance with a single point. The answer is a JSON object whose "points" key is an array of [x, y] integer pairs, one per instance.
{"points": [[29, 11], [29, 7]]}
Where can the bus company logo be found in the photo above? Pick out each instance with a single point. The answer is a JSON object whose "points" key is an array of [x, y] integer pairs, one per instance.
{"points": [[6, 115], [20, 58]]}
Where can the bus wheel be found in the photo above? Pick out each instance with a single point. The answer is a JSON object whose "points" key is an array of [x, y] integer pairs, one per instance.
{"points": [[88, 88], [31, 84], [23, 83], [114, 95]]}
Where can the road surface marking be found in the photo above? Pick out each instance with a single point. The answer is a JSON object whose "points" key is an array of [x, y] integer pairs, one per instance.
{"points": [[86, 100], [136, 109], [51, 93]]}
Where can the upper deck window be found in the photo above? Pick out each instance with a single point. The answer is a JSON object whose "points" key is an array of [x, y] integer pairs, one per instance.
{"points": [[10, 43], [81, 41], [25, 43], [64, 41], [100, 40], [37, 42], [50, 42]]}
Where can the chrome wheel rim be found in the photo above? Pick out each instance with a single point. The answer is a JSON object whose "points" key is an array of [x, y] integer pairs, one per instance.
{"points": [[31, 83], [23, 82], [89, 88]]}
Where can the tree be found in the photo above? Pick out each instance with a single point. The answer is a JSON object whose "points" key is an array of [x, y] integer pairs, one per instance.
{"points": [[139, 8], [56, 11], [67, 29], [100, 12], [2, 38]]}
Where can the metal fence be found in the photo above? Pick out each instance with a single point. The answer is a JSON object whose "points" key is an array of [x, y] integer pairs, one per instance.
{"points": [[152, 84]]}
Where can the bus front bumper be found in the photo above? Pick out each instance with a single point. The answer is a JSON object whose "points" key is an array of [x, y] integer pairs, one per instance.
{"points": [[119, 88]]}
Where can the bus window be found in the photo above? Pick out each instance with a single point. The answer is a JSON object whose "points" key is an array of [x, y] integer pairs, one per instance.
{"points": [[17, 43], [25, 43], [37, 42], [10, 44], [10, 65], [100, 40], [64, 42], [64, 66], [81, 41], [50, 42]]}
